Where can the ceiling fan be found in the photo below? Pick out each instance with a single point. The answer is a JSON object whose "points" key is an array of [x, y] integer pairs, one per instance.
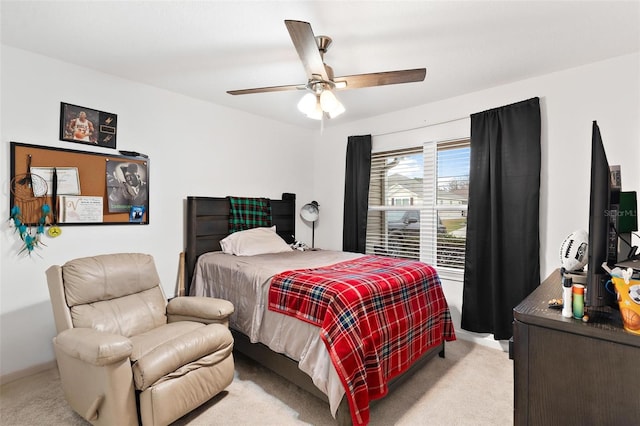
{"points": [[320, 102]]}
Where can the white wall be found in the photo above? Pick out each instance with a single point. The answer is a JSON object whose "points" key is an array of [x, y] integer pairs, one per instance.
{"points": [[608, 92], [195, 148]]}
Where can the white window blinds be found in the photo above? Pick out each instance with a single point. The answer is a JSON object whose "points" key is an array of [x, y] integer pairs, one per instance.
{"points": [[417, 203]]}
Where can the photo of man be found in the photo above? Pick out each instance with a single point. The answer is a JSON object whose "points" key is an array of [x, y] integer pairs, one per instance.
{"points": [[126, 185], [82, 129]]}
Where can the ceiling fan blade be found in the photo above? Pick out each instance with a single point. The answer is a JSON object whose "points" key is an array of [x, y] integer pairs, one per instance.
{"points": [[307, 48], [380, 78], [267, 89]]}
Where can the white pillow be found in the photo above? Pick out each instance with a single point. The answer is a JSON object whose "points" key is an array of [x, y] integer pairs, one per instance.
{"points": [[254, 241]]}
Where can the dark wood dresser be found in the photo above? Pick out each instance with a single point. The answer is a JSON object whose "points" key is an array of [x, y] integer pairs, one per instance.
{"points": [[569, 372]]}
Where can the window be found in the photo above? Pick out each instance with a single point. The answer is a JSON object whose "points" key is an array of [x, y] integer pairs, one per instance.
{"points": [[418, 203]]}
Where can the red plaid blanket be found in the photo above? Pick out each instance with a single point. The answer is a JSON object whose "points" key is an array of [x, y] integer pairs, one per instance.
{"points": [[377, 316]]}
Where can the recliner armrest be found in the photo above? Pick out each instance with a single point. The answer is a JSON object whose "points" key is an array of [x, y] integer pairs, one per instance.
{"points": [[93, 346], [201, 309]]}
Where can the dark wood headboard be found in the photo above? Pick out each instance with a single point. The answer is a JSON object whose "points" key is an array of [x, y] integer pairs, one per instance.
{"points": [[208, 222]]}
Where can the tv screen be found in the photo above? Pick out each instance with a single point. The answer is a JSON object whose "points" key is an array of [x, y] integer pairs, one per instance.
{"points": [[601, 222]]}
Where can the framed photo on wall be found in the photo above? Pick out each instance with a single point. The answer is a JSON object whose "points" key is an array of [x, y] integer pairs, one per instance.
{"points": [[127, 186], [89, 126]]}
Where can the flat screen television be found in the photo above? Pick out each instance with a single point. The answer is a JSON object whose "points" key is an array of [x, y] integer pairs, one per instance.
{"points": [[602, 230]]}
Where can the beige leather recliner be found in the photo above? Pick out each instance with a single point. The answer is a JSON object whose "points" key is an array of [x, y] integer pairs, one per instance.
{"points": [[124, 353]]}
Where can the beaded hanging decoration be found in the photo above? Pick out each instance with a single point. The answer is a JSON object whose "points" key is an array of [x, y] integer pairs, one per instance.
{"points": [[30, 240], [29, 191]]}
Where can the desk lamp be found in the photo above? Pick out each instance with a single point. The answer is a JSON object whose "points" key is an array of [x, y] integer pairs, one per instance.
{"points": [[310, 213]]}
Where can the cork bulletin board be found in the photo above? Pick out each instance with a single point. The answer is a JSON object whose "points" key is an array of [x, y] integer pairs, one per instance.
{"points": [[89, 179]]}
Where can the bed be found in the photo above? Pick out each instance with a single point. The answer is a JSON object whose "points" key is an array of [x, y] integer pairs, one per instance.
{"points": [[294, 347]]}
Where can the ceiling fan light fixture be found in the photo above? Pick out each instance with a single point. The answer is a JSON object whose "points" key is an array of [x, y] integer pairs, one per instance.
{"points": [[317, 112], [330, 104], [336, 112], [309, 105]]}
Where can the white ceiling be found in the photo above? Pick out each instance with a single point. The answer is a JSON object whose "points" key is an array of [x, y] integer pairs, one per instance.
{"points": [[204, 48]]}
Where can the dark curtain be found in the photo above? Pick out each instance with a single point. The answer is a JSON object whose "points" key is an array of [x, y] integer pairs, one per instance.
{"points": [[502, 260], [356, 193]]}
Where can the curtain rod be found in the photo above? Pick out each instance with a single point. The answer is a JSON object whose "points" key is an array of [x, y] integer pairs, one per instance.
{"points": [[422, 127]]}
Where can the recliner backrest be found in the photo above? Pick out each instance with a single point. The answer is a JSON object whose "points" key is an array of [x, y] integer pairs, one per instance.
{"points": [[116, 293]]}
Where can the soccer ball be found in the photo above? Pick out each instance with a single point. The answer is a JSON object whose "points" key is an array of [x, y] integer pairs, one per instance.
{"points": [[574, 251]]}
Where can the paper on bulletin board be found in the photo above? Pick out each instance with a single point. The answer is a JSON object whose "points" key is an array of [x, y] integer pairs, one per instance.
{"points": [[80, 209], [67, 177]]}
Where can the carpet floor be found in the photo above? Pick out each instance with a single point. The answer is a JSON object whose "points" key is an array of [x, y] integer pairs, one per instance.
{"points": [[473, 385]]}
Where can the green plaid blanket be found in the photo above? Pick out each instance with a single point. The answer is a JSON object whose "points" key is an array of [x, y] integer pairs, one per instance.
{"points": [[247, 213]]}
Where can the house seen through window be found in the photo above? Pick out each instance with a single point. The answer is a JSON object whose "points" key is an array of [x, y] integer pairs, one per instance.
{"points": [[418, 203]]}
